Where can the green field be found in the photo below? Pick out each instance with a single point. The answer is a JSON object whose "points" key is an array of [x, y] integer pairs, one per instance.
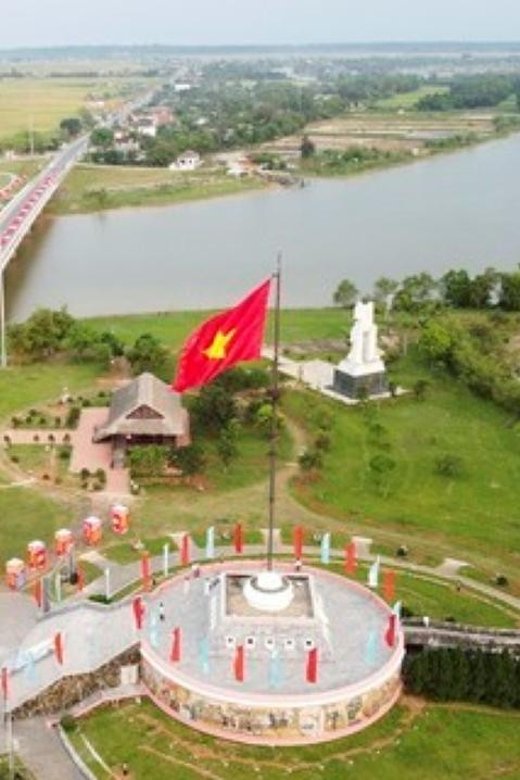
{"points": [[474, 514], [433, 743], [408, 100], [96, 187]]}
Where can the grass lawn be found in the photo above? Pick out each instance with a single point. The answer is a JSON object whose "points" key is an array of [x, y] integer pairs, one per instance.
{"points": [[172, 328], [431, 742], [94, 188], [474, 514], [408, 100], [26, 514]]}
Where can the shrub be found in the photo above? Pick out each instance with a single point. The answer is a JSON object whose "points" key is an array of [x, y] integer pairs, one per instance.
{"points": [[97, 486], [15, 458], [73, 416], [101, 476], [449, 466], [68, 723], [402, 551], [15, 421], [36, 438], [84, 474], [57, 422], [501, 580]]}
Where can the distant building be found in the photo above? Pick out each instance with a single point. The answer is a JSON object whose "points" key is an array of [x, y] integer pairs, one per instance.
{"points": [[145, 411], [187, 161]]}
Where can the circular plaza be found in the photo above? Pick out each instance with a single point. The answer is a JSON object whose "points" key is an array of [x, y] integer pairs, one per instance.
{"points": [[323, 664]]}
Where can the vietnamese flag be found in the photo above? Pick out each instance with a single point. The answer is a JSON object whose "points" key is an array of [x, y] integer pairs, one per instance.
{"points": [[227, 338], [311, 670], [5, 683], [239, 663]]}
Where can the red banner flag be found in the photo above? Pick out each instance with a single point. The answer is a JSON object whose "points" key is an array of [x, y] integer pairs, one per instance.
{"points": [[238, 538], [350, 558], [239, 663], [298, 542], [37, 591], [390, 631], [81, 578], [145, 570], [185, 550], [138, 609], [231, 336], [389, 584], [175, 654], [58, 647], [5, 683], [311, 672]]}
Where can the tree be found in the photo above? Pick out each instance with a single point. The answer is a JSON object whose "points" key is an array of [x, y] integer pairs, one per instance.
{"points": [[307, 147], [43, 334], [102, 137], [381, 466], [455, 288], [71, 126], [190, 459], [214, 408], [510, 291], [437, 340], [416, 291], [345, 294], [384, 290], [227, 447], [148, 354]]}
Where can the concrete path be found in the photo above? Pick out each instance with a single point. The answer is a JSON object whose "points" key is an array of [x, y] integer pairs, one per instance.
{"points": [[41, 750]]}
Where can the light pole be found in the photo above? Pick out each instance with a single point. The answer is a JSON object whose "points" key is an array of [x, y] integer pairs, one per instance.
{"points": [[3, 351]]}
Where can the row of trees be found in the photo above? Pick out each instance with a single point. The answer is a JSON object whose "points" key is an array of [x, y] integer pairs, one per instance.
{"points": [[50, 333], [464, 675], [420, 293], [465, 92]]}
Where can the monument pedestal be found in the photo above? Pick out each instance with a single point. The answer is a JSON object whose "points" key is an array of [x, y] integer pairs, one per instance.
{"points": [[356, 386], [362, 372]]}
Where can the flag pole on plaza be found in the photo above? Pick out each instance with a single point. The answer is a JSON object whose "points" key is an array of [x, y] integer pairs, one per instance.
{"points": [[274, 415]]}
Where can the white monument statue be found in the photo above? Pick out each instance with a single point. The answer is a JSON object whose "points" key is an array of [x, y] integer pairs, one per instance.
{"points": [[363, 367]]}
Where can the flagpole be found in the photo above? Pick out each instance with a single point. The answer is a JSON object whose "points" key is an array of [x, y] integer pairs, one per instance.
{"points": [[274, 416]]}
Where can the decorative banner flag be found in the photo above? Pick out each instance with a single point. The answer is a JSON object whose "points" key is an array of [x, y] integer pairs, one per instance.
{"points": [[325, 548], [350, 558], [58, 647], [210, 542], [396, 609], [373, 574], [145, 570], [175, 654], [38, 592], [371, 648], [311, 672], [107, 584], [30, 668], [275, 670], [5, 683], [57, 586], [81, 578], [185, 550], [204, 655], [238, 538], [225, 339], [46, 594], [298, 542], [389, 584], [239, 663], [390, 631], [153, 630], [138, 610], [166, 557]]}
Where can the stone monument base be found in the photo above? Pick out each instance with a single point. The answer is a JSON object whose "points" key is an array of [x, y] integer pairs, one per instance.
{"points": [[354, 386]]}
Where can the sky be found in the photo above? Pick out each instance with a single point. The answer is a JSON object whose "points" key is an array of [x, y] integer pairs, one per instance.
{"points": [[214, 22]]}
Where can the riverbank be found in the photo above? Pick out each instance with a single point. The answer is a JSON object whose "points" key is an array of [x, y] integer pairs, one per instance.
{"points": [[92, 188]]}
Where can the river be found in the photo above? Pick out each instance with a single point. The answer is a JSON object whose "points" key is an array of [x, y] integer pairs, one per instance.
{"points": [[460, 209]]}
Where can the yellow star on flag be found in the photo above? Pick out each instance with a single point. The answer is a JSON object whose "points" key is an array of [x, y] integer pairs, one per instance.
{"points": [[217, 348]]}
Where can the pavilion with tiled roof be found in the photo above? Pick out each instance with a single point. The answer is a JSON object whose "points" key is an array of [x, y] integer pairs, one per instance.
{"points": [[146, 411]]}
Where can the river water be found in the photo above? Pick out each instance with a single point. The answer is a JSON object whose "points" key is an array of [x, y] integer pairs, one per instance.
{"points": [[461, 209]]}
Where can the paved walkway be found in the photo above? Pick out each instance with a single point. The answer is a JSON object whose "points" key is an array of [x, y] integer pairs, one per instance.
{"points": [[41, 750]]}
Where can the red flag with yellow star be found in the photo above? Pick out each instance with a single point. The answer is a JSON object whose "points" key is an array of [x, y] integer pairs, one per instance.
{"points": [[227, 338]]}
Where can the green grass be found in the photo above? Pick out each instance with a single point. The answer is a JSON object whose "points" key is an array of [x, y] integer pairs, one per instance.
{"points": [[26, 514], [433, 743], [408, 100], [95, 188], [172, 328], [476, 512]]}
